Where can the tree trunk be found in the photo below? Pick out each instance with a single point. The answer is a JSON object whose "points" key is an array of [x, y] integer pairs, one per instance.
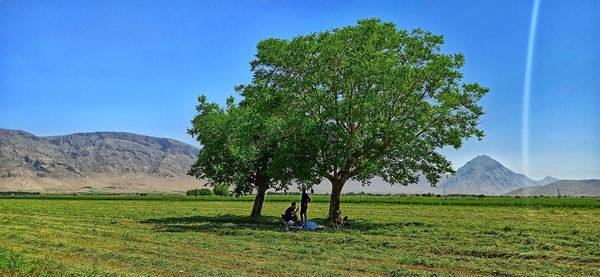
{"points": [[258, 201], [334, 201]]}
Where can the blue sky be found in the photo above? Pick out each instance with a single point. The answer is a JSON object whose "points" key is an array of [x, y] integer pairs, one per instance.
{"points": [[138, 66]]}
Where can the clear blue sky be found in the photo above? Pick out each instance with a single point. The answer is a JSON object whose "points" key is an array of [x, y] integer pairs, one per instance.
{"points": [[137, 66]]}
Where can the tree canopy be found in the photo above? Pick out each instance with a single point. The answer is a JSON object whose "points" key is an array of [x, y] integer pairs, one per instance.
{"points": [[242, 145], [369, 100]]}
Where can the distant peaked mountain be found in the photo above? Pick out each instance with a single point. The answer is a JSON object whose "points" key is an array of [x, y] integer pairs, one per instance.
{"points": [[97, 161], [563, 187], [484, 175]]}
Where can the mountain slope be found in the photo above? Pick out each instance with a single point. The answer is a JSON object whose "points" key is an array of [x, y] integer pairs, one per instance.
{"points": [[125, 162], [94, 161], [563, 187]]}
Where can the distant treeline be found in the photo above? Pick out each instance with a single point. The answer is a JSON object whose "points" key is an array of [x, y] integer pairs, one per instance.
{"points": [[18, 193]]}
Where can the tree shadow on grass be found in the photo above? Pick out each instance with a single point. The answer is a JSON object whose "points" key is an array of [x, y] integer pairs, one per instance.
{"points": [[235, 224], [217, 223]]}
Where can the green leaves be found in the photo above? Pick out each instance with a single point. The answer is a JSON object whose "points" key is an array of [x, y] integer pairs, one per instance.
{"points": [[369, 100], [355, 102], [244, 145]]}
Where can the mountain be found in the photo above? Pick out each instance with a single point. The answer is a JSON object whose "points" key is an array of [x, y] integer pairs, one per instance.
{"points": [[484, 175], [94, 162], [562, 187], [125, 162]]}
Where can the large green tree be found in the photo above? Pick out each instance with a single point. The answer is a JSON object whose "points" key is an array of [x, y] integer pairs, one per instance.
{"points": [[370, 100], [239, 146]]}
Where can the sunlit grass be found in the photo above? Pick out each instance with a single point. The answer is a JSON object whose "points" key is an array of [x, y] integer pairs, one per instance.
{"points": [[152, 237]]}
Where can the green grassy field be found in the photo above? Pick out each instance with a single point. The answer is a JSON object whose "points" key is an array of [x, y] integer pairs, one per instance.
{"points": [[397, 236]]}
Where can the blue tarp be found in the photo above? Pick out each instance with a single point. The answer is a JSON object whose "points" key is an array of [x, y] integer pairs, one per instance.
{"points": [[309, 225]]}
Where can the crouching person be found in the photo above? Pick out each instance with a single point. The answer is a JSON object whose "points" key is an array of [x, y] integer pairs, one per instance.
{"points": [[290, 217]]}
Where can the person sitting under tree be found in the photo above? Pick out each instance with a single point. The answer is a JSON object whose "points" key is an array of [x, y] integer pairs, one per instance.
{"points": [[304, 205], [290, 214], [339, 221]]}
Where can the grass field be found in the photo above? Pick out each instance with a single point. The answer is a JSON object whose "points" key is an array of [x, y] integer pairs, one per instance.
{"points": [[397, 236]]}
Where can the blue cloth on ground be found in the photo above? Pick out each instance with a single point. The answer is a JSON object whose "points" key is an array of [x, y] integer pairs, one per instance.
{"points": [[309, 225]]}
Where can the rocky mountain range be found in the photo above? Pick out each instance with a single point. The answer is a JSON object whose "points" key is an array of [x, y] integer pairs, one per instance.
{"points": [[116, 162], [94, 162]]}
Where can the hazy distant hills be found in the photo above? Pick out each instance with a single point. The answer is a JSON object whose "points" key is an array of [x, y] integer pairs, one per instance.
{"points": [[100, 161], [563, 188], [482, 175], [547, 180]]}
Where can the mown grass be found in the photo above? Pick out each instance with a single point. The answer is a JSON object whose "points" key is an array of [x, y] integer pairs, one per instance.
{"points": [[373, 199], [141, 237]]}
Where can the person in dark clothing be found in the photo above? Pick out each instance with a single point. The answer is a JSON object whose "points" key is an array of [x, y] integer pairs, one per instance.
{"points": [[304, 205], [290, 213]]}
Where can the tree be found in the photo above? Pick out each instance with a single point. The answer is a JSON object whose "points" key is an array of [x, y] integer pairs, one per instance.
{"points": [[240, 145], [371, 100], [221, 190]]}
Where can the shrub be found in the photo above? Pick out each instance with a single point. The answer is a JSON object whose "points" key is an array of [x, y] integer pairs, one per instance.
{"points": [[221, 190], [199, 192]]}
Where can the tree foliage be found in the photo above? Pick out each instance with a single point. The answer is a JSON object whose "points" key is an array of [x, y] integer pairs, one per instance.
{"points": [[241, 145], [221, 190], [369, 100]]}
